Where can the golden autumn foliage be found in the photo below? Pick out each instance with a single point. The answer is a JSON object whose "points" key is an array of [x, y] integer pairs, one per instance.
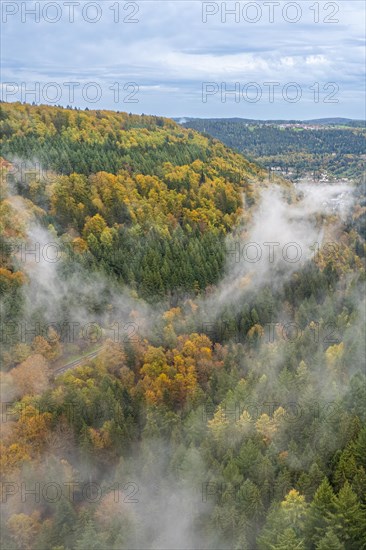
{"points": [[256, 332], [202, 185], [27, 437], [175, 375], [8, 279], [12, 456], [100, 438], [334, 357], [218, 423], [32, 427]]}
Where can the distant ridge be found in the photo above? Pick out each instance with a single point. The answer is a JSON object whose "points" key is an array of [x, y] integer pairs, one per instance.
{"points": [[337, 120], [335, 145], [341, 121]]}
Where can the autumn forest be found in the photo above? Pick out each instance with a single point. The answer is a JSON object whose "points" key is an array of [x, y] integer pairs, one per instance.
{"points": [[182, 342]]}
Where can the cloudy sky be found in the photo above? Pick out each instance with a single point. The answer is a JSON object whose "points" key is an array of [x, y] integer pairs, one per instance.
{"points": [[265, 59]]}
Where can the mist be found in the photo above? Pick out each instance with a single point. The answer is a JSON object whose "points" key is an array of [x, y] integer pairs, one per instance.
{"points": [[282, 237]]}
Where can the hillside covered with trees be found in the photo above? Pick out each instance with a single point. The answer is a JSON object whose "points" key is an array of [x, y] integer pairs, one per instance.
{"points": [[138, 188], [296, 148], [225, 406]]}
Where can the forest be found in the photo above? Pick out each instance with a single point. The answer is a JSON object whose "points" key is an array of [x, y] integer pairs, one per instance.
{"points": [[297, 148], [223, 406]]}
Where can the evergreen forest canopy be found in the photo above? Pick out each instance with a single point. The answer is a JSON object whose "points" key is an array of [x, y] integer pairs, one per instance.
{"points": [[157, 391], [335, 147]]}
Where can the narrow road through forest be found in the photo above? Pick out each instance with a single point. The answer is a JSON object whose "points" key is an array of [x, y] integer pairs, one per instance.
{"points": [[78, 362]]}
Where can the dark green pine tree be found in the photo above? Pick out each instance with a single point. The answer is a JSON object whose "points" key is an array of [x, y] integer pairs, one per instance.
{"points": [[349, 519], [309, 482], [330, 541], [346, 468], [255, 317], [323, 504], [289, 540]]}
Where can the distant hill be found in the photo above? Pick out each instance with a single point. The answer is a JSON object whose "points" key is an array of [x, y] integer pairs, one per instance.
{"points": [[338, 121], [336, 146]]}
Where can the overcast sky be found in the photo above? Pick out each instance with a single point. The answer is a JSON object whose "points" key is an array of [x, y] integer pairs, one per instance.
{"points": [[302, 60]]}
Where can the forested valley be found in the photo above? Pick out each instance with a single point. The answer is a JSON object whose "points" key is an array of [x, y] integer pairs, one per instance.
{"points": [[333, 147], [165, 385]]}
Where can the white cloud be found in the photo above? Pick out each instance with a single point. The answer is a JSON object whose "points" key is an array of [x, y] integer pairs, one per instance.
{"points": [[170, 51]]}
